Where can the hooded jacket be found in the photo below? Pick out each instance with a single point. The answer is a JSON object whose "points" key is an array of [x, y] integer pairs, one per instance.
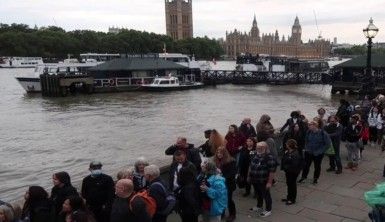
{"points": [[217, 192]]}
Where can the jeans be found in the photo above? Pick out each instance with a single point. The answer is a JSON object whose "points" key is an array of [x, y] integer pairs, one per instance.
{"points": [[263, 194], [309, 158], [353, 152]]}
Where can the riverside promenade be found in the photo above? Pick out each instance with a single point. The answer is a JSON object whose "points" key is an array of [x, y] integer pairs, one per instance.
{"points": [[336, 198]]}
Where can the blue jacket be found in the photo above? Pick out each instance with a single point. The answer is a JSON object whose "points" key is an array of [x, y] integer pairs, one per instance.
{"points": [[316, 143], [217, 192]]}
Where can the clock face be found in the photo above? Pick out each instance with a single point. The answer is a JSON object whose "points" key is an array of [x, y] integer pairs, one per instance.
{"points": [[294, 30]]}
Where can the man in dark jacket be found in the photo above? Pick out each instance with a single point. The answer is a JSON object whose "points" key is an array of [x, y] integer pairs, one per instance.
{"points": [[125, 208], [98, 191], [179, 163], [157, 190], [205, 148], [192, 154], [247, 129]]}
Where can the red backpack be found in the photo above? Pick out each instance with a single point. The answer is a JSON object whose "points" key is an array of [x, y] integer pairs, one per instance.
{"points": [[150, 201]]}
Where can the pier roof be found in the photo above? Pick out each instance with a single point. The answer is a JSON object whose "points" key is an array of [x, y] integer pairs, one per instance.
{"points": [[135, 64], [378, 61]]}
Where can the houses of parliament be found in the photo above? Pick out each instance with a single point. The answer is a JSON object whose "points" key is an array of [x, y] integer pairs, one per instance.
{"points": [[237, 43], [179, 25]]}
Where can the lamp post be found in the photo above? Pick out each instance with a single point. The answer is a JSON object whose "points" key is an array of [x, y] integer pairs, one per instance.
{"points": [[368, 87]]}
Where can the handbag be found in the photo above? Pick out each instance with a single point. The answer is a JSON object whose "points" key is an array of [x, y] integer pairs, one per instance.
{"points": [[330, 151]]}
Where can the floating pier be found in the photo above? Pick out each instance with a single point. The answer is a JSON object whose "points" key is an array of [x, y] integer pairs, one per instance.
{"points": [[62, 85]]}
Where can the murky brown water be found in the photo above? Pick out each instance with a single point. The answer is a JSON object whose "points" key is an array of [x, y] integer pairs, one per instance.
{"points": [[40, 136]]}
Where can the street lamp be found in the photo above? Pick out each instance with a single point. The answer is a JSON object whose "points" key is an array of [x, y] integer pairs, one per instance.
{"points": [[368, 87]]}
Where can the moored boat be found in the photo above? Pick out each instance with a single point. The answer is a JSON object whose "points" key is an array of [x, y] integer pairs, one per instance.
{"points": [[20, 62], [170, 83]]}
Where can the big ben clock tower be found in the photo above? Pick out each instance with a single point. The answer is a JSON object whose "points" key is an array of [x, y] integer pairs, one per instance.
{"points": [[296, 32]]}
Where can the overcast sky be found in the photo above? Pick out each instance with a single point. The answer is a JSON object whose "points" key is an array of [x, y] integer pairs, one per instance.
{"points": [[343, 19]]}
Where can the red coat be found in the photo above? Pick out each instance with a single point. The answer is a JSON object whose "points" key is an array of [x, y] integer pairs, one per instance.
{"points": [[233, 142]]}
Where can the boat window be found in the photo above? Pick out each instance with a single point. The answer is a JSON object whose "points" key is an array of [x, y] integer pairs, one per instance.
{"points": [[172, 81], [164, 82], [156, 82]]}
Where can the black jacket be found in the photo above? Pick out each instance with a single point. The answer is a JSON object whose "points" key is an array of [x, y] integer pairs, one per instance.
{"points": [[205, 149], [188, 199], [98, 191], [229, 170], [335, 132], [174, 168], [122, 212], [352, 135], [59, 195], [192, 155], [247, 131], [291, 162], [244, 162]]}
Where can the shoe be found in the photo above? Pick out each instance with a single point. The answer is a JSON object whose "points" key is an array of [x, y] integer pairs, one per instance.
{"points": [[265, 213], [338, 171], [289, 202], [284, 200], [246, 194], [315, 181], [256, 209], [330, 169], [301, 180]]}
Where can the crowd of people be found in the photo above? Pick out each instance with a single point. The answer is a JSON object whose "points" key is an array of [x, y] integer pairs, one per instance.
{"points": [[201, 181]]}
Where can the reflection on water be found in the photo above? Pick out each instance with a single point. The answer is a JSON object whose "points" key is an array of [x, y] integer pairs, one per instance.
{"points": [[40, 136]]}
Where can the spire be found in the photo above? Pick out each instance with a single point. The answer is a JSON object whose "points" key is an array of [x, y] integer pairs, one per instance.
{"points": [[296, 21], [255, 20]]}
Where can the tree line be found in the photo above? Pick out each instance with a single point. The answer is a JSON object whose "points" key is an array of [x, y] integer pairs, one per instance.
{"points": [[55, 42], [357, 50]]}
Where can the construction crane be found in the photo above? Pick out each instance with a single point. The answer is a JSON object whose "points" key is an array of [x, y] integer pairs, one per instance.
{"points": [[316, 23]]}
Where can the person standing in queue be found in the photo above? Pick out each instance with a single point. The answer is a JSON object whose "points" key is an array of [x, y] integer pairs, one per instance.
{"points": [[317, 141], [261, 175], [227, 166], [192, 154], [291, 164], [61, 191], [127, 206], [98, 191]]}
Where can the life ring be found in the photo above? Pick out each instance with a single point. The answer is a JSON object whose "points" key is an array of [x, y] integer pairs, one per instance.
{"points": [[112, 82]]}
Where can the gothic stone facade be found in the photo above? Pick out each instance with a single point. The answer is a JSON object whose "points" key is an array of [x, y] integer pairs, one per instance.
{"points": [[271, 44], [179, 20]]}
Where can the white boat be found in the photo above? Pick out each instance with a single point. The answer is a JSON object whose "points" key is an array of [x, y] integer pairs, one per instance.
{"points": [[170, 83], [20, 62], [31, 84]]}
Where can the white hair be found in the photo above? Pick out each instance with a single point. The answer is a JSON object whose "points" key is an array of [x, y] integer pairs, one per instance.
{"points": [[152, 170], [140, 160]]}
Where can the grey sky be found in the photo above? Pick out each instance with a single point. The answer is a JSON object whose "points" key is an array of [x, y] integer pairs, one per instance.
{"points": [[343, 19]]}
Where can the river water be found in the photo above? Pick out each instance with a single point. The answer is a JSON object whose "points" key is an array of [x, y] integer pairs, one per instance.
{"points": [[40, 136]]}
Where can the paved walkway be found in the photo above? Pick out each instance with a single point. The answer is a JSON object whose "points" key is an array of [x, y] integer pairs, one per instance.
{"points": [[335, 197]]}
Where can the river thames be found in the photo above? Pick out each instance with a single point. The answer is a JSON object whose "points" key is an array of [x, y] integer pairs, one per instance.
{"points": [[40, 136]]}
